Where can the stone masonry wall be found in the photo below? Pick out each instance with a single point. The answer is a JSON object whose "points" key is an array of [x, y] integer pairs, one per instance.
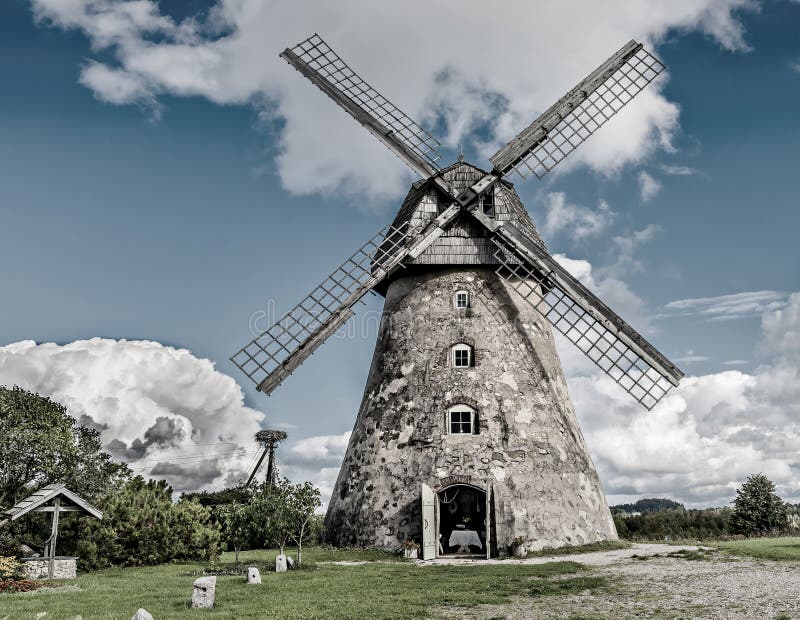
{"points": [[546, 489], [64, 568]]}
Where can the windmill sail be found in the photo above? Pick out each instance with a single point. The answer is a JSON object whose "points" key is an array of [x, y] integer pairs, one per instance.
{"points": [[402, 135], [579, 113], [272, 356], [612, 344]]}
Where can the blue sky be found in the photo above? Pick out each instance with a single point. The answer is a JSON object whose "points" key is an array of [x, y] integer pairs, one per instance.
{"points": [[175, 214]]}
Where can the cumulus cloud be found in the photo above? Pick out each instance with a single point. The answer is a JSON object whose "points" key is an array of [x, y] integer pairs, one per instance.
{"points": [[483, 94], [316, 459], [729, 307], [648, 186], [707, 435], [164, 411], [574, 220]]}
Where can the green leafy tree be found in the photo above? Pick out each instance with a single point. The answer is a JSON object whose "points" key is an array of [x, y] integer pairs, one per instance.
{"points": [[757, 509], [235, 520], [282, 512], [304, 499], [41, 443]]}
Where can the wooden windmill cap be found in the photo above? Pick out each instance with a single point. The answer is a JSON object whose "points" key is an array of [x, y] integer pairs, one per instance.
{"points": [[467, 241]]}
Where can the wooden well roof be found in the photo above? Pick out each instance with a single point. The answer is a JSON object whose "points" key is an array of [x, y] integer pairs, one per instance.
{"points": [[70, 501]]}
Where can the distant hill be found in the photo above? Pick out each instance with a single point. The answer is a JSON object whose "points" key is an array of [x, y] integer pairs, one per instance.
{"points": [[646, 506]]}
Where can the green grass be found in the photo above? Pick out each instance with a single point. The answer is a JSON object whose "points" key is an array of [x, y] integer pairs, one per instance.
{"points": [[785, 548], [376, 590], [603, 545]]}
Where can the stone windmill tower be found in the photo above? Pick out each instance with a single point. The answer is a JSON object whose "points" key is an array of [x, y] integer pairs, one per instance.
{"points": [[466, 438]]}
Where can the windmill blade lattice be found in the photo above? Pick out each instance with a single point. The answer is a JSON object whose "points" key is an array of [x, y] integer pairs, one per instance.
{"points": [[631, 361], [581, 112], [271, 357], [408, 140]]}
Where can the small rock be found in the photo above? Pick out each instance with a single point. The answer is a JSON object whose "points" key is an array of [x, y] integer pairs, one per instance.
{"points": [[253, 575], [280, 563], [290, 561], [203, 592], [78, 617], [41, 614], [142, 614]]}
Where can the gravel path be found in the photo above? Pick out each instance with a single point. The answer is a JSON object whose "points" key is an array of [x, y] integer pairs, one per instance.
{"points": [[719, 587], [594, 558]]}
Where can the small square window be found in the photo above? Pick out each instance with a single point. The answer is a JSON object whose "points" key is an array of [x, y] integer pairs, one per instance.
{"points": [[461, 357], [462, 299], [460, 422]]}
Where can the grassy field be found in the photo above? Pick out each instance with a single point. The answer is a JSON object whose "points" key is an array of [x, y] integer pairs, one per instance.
{"points": [[787, 548], [384, 588]]}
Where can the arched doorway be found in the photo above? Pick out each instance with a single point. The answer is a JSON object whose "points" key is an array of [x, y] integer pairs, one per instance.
{"points": [[464, 521]]}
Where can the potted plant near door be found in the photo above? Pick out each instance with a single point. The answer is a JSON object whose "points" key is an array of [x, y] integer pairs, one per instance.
{"points": [[410, 549]]}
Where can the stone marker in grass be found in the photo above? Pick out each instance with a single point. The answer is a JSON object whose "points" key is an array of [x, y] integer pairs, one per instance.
{"points": [[253, 575], [280, 563], [203, 592], [142, 614]]}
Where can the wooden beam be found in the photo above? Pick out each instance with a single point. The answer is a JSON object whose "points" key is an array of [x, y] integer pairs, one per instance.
{"points": [[51, 565], [61, 509], [371, 124]]}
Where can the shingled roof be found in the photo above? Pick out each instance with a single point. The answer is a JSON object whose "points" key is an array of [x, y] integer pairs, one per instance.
{"points": [[466, 242], [46, 494]]}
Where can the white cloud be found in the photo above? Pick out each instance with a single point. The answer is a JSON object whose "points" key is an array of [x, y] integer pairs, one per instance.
{"points": [[781, 328], [690, 358], [426, 66], [708, 434], [648, 186], [627, 247], [678, 170], [728, 307], [735, 362], [316, 459], [574, 220], [164, 411]]}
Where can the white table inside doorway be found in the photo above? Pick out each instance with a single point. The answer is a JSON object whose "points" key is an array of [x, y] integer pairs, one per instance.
{"points": [[463, 538]]}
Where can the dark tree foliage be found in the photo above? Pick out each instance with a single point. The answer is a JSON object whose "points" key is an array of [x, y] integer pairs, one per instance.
{"points": [[141, 525], [41, 443], [675, 524], [757, 509], [239, 495], [647, 506]]}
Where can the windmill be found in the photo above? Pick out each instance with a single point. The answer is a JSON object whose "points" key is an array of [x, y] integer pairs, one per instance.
{"points": [[466, 438]]}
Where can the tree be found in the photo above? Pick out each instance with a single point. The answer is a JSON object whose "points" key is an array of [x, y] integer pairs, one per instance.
{"points": [[757, 509], [304, 499], [41, 443], [271, 503], [235, 520], [284, 511], [142, 526]]}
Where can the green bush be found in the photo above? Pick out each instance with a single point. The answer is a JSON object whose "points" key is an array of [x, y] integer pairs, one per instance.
{"points": [[141, 526]]}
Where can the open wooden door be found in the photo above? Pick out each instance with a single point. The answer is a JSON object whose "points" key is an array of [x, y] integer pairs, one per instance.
{"points": [[488, 520], [429, 525]]}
